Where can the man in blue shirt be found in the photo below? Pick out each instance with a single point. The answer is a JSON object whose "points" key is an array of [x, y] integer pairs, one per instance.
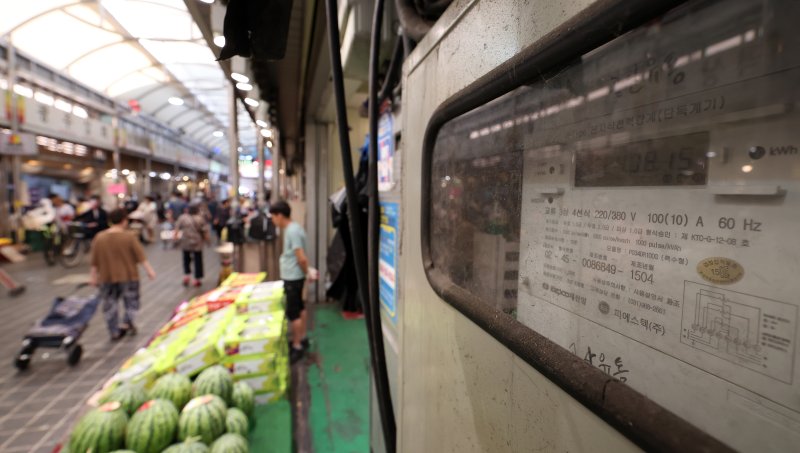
{"points": [[293, 268]]}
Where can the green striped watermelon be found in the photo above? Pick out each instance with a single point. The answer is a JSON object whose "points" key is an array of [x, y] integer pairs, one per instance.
{"points": [[152, 428], [102, 430], [189, 446], [244, 398], [174, 387], [131, 396], [230, 443], [215, 380], [236, 422], [203, 417], [217, 401]]}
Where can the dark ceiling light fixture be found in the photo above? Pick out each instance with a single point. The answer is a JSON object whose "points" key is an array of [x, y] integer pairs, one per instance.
{"points": [[256, 28]]}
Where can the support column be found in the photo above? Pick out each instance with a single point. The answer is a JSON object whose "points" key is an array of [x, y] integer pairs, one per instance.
{"points": [[261, 165], [5, 224], [16, 161], [233, 174], [277, 178], [147, 170], [233, 145]]}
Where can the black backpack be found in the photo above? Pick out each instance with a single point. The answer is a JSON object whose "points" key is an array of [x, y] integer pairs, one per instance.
{"points": [[262, 228]]}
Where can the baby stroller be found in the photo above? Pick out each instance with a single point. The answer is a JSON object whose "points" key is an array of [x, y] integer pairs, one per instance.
{"points": [[61, 328]]}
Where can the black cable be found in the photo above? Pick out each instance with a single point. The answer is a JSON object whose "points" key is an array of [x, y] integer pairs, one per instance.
{"points": [[358, 243], [373, 232], [415, 26], [393, 71]]}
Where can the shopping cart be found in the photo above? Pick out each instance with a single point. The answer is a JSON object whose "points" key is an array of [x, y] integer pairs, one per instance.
{"points": [[61, 328]]}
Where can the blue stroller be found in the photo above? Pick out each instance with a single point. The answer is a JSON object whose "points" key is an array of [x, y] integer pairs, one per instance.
{"points": [[61, 328]]}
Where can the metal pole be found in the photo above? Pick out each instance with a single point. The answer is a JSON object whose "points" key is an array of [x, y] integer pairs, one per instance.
{"points": [[233, 145], [261, 165]]}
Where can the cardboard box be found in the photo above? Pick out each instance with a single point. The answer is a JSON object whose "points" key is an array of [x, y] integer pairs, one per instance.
{"points": [[184, 324], [264, 297], [203, 349], [264, 382], [141, 367], [242, 279], [255, 333], [252, 364], [216, 299]]}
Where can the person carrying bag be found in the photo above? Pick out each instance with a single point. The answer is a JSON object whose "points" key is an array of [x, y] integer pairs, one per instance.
{"points": [[192, 233]]}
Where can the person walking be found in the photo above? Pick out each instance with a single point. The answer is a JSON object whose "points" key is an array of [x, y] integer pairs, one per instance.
{"points": [[191, 233], [220, 220], [294, 269], [115, 255], [95, 218]]}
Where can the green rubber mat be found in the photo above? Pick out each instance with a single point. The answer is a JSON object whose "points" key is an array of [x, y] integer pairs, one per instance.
{"points": [[272, 432], [339, 383]]}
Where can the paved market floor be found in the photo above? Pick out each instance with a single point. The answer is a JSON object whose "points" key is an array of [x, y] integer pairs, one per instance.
{"points": [[38, 406]]}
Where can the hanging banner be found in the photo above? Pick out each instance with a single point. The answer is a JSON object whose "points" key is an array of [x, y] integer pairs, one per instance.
{"points": [[387, 260]]}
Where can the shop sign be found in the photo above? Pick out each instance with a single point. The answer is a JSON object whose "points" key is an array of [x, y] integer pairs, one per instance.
{"points": [[17, 144], [116, 188], [387, 260], [47, 120], [385, 153]]}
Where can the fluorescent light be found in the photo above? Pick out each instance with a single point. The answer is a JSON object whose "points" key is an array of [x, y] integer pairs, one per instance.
{"points": [[207, 1], [175, 101], [126, 172], [251, 102], [269, 143], [266, 133], [165, 176], [747, 168], [239, 77], [244, 86], [63, 105], [217, 134], [261, 123], [152, 174], [22, 90], [80, 112], [219, 41], [43, 98]]}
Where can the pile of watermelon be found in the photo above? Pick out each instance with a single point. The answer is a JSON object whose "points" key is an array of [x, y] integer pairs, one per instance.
{"points": [[211, 415]]}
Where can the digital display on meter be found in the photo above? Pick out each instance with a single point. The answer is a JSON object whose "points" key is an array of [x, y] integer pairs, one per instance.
{"points": [[670, 161]]}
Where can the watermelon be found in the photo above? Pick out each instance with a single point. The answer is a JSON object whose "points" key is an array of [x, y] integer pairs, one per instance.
{"points": [[236, 422], [203, 417], [217, 401], [174, 387], [152, 427], [215, 380], [131, 396], [189, 446], [102, 430], [230, 443], [244, 398]]}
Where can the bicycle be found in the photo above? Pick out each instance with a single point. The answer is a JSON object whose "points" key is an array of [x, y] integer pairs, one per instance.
{"points": [[75, 245]]}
